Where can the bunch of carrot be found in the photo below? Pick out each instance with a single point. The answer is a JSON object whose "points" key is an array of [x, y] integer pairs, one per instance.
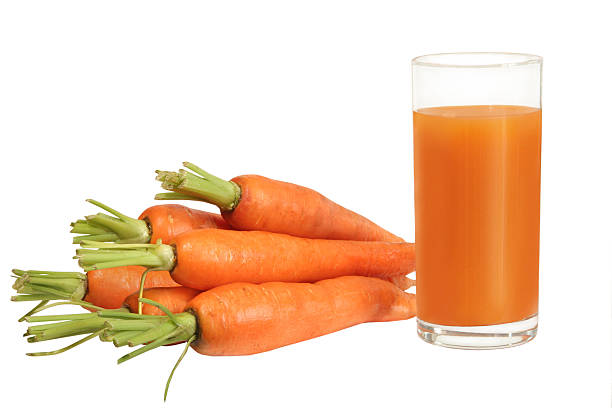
{"points": [[279, 265]]}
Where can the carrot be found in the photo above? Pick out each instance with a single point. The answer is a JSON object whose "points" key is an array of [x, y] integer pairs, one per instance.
{"points": [[174, 298], [163, 222], [106, 288], [277, 314], [203, 259], [256, 203], [401, 281], [241, 318], [160, 222]]}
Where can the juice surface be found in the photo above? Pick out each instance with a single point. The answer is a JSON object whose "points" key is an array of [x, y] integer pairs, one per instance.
{"points": [[477, 201]]}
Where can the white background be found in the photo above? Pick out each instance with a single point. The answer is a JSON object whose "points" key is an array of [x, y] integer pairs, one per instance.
{"points": [[94, 96]]}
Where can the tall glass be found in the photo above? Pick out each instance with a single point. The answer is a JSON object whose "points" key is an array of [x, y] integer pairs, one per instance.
{"points": [[477, 141]]}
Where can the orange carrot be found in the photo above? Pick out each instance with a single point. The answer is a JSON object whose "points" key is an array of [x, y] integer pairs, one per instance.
{"points": [[160, 222], [256, 203], [106, 288], [239, 318], [174, 298], [242, 318], [203, 259], [170, 220]]}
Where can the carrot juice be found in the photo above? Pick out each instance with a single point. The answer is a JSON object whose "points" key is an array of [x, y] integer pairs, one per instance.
{"points": [[477, 197]]}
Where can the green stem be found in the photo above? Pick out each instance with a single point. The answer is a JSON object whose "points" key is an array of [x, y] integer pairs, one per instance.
{"points": [[132, 324], [121, 338], [35, 309], [87, 228], [199, 185], [120, 327], [70, 302], [117, 326], [30, 298], [66, 329], [152, 334], [121, 314], [161, 307], [117, 228], [191, 339], [46, 285], [77, 275], [176, 196], [55, 318], [107, 255], [141, 290], [71, 346], [161, 341]]}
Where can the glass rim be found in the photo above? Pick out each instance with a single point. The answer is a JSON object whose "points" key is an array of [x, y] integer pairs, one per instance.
{"points": [[520, 59]]}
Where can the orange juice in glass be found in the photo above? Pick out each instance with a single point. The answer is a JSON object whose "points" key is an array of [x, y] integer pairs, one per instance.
{"points": [[477, 141]]}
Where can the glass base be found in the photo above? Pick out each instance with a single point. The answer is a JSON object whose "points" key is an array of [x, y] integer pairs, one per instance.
{"points": [[479, 337]]}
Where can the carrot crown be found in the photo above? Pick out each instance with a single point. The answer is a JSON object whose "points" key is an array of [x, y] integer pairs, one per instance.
{"points": [[100, 255], [103, 227], [45, 285], [118, 326], [199, 186]]}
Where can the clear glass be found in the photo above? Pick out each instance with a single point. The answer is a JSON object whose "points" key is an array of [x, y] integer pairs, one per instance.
{"points": [[477, 143]]}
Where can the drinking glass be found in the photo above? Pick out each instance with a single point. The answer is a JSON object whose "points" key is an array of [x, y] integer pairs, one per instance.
{"points": [[477, 140]]}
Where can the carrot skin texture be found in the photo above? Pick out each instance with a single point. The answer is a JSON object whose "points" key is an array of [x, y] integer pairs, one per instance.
{"points": [[401, 281], [210, 258], [109, 287], [175, 299], [278, 206], [169, 220], [242, 318]]}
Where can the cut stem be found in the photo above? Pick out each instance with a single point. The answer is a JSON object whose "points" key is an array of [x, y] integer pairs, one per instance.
{"points": [[46, 285], [199, 185], [117, 228], [121, 338], [107, 255], [66, 329], [117, 326]]}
